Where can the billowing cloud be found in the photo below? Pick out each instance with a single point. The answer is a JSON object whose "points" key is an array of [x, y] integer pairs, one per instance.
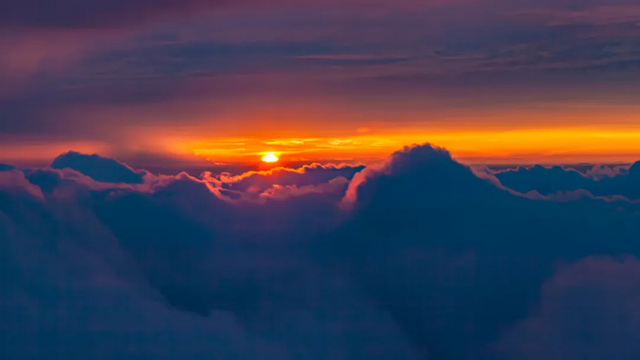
{"points": [[335, 187], [314, 174], [587, 311], [599, 181], [98, 168], [15, 181], [419, 258], [229, 278], [454, 258], [545, 180]]}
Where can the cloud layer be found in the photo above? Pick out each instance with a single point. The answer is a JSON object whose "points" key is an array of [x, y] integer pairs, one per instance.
{"points": [[599, 180], [417, 257]]}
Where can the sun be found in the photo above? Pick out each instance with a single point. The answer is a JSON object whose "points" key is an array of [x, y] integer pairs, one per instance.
{"points": [[270, 158]]}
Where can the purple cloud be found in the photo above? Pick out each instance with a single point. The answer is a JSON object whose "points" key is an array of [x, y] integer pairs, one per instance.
{"points": [[587, 310], [96, 14], [307, 175]]}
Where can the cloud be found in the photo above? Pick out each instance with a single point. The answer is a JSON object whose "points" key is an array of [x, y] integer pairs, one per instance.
{"points": [[15, 181], [335, 187], [76, 14], [88, 288], [180, 269], [587, 311], [97, 14], [98, 168], [454, 258], [179, 251], [101, 13], [545, 180], [598, 172], [599, 181], [431, 259], [598, 13], [307, 175], [6, 167]]}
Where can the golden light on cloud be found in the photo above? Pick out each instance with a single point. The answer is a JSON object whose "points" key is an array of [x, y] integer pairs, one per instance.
{"points": [[270, 158]]}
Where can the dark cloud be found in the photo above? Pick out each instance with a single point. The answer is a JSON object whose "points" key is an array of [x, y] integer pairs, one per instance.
{"points": [[6, 167], [104, 14], [96, 14], [98, 168], [456, 259], [550, 180], [176, 256], [545, 180], [208, 58], [422, 258], [587, 311]]}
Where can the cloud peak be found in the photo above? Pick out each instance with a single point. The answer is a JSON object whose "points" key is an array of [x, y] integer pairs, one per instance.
{"points": [[98, 168]]}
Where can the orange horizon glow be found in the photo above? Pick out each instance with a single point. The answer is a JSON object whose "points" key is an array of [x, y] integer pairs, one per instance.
{"points": [[549, 146], [315, 130], [526, 146]]}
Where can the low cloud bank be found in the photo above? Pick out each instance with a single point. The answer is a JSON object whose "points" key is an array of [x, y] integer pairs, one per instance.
{"points": [[599, 180]]}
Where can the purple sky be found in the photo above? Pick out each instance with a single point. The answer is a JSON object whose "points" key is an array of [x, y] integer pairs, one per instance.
{"points": [[169, 77]]}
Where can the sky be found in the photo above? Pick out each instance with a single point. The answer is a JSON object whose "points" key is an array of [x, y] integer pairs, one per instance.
{"points": [[457, 179], [496, 81]]}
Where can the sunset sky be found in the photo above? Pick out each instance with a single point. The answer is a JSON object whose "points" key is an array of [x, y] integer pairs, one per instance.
{"points": [[320, 179], [496, 81]]}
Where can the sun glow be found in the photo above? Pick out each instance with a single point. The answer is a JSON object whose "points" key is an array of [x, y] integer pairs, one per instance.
{"points": [[270, 158], [611, 144]]}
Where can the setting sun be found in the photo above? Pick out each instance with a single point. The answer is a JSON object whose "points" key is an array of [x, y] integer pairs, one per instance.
{"points": [[270, 158]]}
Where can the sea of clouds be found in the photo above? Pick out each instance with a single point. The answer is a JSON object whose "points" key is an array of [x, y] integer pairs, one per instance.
{"points": [[418, 257]]}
